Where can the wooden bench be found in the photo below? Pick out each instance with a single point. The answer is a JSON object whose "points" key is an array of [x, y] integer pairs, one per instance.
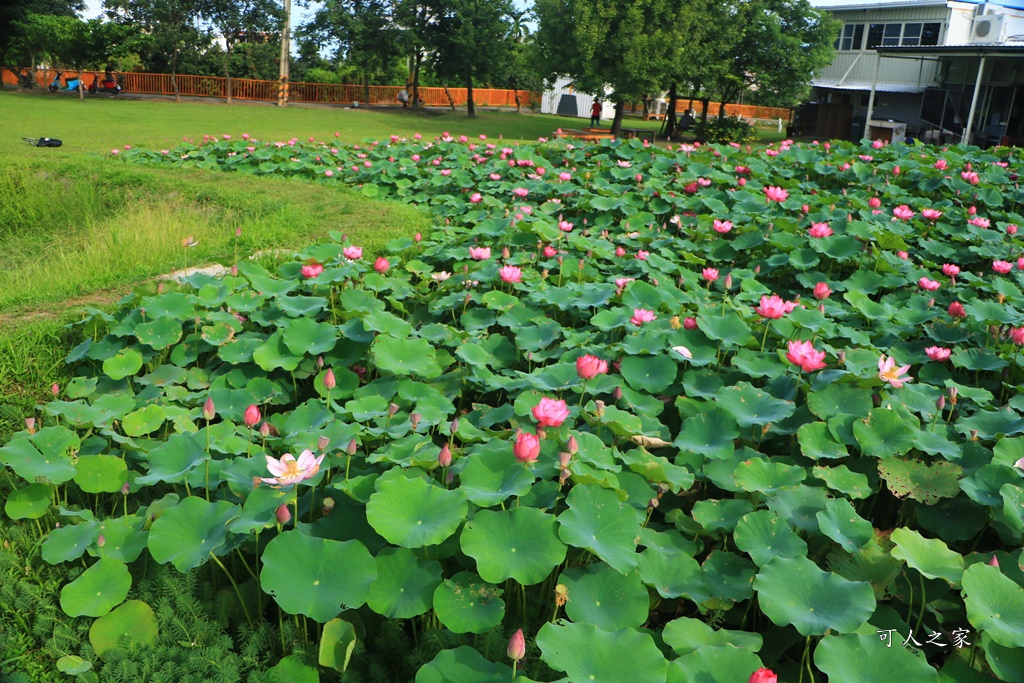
{"points": [[587, 134], [642, 133], [658, 117]]}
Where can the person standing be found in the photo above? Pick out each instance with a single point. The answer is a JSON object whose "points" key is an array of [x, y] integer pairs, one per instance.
{"points": [[595, 114]]}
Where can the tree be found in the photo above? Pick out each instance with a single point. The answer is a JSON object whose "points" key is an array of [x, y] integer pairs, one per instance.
{"points": [[470, 40], [627, 46], [13, 16], [237, 19]]}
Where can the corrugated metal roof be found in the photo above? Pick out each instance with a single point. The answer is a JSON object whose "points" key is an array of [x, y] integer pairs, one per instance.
{"points": [[1008, 49], [881, 4], [834, 84]]}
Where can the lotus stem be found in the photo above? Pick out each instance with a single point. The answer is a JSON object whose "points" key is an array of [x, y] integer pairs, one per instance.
{"points": [[234, 585]]}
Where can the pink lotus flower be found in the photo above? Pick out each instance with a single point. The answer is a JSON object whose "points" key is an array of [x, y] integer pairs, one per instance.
{"points": [[520, 192], [931, 214], [764, 675], [821, 291], [526, 448], [641, 316], [818, 230], [956, 310], [475, 198], [288, 470], [588, 367], [971, 177], [938, 353], [381, 265], [209, 411], [888, 372], [928, 285], [776, 194], [710, 274], [511, 274], [479, 253], [252, 416], [621, 282], [550, 251], [903, 212], [517, 646], [941, 164], [805, 356], [1017, 336], [772, 307], [642, 255], [312, 270], [1002, 267], [950, 269], [1011, 230], [565, 176], [874, 202], [565, 226], [903, 255], [444, 458], [979, 222], [722, 226], [620, 252], [550, 412], [878, 144]]}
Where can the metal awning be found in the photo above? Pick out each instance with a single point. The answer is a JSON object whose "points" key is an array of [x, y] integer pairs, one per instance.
{"points": [[837, 84]]}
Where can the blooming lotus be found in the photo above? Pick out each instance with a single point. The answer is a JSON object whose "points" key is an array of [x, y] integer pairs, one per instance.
{"points": [[927, 284], [526, 449], [479, 253], [938, 353], [588, 367], [821, 291], [440, 276], [641, 316], [520, 192], [903, 212], [956, 310], [931, 214], [642, 255], [950, 269], [1017, 336], [979, 222], [511, 274], [722, 226], [772, 307], [1002, 267], [289, 470], [312, 270], [941, 164], [550, 412], [805, 356], [710, 274], [776, 194], [475, 198], [888, 372], [819, 230]]}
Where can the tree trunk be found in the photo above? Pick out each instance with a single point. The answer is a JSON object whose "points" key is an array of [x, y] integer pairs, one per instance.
{"points": [[470, 108], [669, 124], [81, 86], [227, 69], [447, 93], [366, 89], [174, 75], [416, 79], [620, 108], [704, 102]]}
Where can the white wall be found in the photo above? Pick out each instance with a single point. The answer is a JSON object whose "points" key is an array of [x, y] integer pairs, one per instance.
{"points": [[562, 86]]}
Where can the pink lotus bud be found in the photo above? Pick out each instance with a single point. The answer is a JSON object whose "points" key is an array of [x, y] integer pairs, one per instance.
{"points": [[329, 381], [690, 324], [454, 426], [319, 362], [517, 646], [417, 237], [617, 393], [415, 420], [54, 388], [265, 430], [940, 403], [504, 252], [381, 265], [252, 416], [972, 211], [994, 562], [322, 443], [573, 446], [30, 425], [444, 458], [208, 410], [526, 449], [728, 281], [234, 270], [353, 446], [101, 541], [392, 408], [283, 514], [125, 489]]}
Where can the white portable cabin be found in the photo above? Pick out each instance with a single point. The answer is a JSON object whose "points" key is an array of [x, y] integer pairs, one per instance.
{"points": [[562, 99]]}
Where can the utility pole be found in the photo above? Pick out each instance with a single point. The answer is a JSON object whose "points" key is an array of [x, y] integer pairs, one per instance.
{"points": [[286, 34]]}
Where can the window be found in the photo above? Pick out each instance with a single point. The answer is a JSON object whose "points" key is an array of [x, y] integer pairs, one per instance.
{"points": [[852, 37], [903, 34]]}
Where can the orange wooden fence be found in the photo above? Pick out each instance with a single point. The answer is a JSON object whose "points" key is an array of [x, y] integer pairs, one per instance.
{"points": [[747, 111], [251, 89]]}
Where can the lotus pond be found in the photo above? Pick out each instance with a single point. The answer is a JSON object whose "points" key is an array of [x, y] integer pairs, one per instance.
{"points": [[678, 414]]}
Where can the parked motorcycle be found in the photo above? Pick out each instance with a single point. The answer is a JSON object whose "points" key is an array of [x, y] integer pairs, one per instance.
{"points": [[108, 85]]}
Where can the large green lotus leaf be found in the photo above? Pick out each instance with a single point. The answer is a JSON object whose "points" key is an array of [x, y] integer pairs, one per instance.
{"points": [[293, 669], [159, 333], [403, 356], [492, 475], [799, 506], [601, 596], [921, 481], [930, 556], [984, 484], [761, 475], [412, 513], [861, 658], [305, 336], [69, 541], [337, 644], [97, 590], [101, 473], [884, 434], [145, 420], [728, 576], [134, 620], [1007, 663], [466, 603], [991, 423], [520, 543], [750, 406], [794, 591], [816, 442], [842, 479], [673, 574], [172, 461], [639, 294], [29, 502], [657, 470], [714, 663], [711, 433], [764, 536], [1013, 506], [587, 654], [405, 584], [274, 354], [51, 462], [728, 329], [125, 363], [995, 604], [124, 538], [187, 533], [73, 665], [840, 522], [317, 577], [684, 635], [598, 521], [721, 515], [462, 665], [652, 374]]}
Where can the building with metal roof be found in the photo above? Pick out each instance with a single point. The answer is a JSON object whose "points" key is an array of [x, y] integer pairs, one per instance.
{"points": [[942, 70]]}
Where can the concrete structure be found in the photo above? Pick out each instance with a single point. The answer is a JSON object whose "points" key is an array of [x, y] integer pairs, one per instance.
{"points": [[948, 69], [564, 100]]}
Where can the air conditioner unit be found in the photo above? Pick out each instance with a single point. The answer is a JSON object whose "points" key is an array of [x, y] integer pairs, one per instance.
{"points": [[987, 29]]}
